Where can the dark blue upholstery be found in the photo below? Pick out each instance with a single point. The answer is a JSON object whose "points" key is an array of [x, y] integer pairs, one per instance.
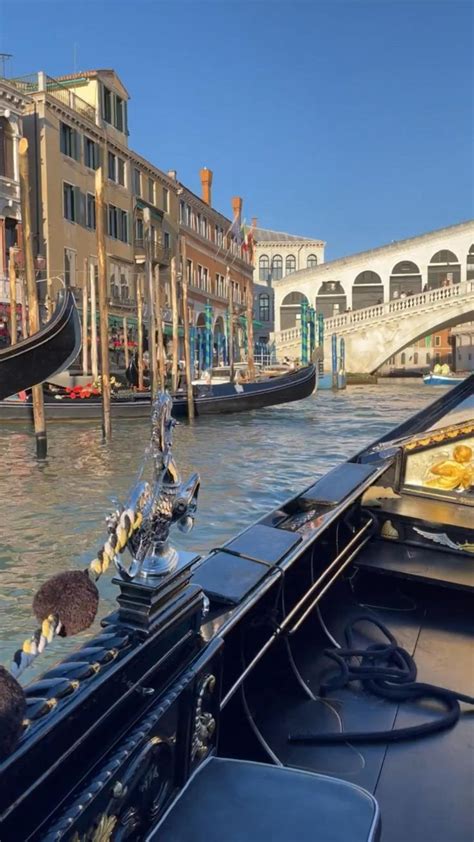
{"points": [[240, 801]]}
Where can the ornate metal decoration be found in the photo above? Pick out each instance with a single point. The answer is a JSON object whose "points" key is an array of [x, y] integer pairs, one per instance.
{"points": [[163, 501], [204, 722]]}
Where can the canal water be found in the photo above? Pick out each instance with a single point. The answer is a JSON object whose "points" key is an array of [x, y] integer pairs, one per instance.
{"points": [[52, 514]]}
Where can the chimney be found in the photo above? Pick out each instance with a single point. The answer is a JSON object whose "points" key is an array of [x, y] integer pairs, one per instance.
{"points": [[173, 174], [206, 184], [254, 222], [237, 203]]}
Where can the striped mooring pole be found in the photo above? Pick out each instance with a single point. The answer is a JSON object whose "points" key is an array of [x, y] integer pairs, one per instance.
{"points": [[312, 331], [208, 336], [342, 354], [304, 333], [334, 360], [320, 321]]}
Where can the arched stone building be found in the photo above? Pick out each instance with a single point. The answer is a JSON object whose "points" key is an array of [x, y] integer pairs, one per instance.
{"points": [[399, 269]]}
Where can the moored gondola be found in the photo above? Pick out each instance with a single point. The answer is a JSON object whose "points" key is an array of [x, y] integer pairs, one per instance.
{"points": [[38, 357], [210, 399], [308, 679]]}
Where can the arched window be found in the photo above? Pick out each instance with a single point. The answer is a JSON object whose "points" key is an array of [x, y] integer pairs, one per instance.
{"points": [[443, 269], [311, 261], [405, 278], [367, 290], [263, 268], [264, 307], [402, 358], [470, 264], [415, 358], [290, 309], [277, 267], [428, 359], [331, 299], [6, 148], [290, 264]]}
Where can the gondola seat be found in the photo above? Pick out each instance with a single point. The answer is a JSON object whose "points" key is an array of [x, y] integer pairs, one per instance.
{"points": [[242, 801]]}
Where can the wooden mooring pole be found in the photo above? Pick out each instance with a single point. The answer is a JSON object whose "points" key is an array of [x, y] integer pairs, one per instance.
{"points": [[12, 279], [103, 305], [150, 299], [175, 315], [159, 330], [187, 349], [250, 343], [85, 319], [140, 330], [94, 358], [230, 337], [125, 342], [32, 292]]}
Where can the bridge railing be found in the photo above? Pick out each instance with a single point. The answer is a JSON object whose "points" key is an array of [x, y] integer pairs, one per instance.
{"points": [[397, 306]]}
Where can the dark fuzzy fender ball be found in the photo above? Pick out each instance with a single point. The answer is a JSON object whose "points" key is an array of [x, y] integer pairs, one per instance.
{"points": [[72, 596], [12, 712]]}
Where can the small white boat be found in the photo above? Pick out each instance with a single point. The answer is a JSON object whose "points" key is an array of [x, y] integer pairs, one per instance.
{"points": [[443, 379]]}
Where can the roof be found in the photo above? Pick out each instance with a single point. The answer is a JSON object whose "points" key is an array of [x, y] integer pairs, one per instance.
{"points": [[92, 74], [265, 235]]}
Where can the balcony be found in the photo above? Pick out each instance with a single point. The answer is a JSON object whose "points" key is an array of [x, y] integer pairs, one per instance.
{"points": [[39, 82], [159, 254], [9, 191]]}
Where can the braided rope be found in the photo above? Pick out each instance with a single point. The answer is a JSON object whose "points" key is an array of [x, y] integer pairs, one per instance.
{"points": [[120, 533]]}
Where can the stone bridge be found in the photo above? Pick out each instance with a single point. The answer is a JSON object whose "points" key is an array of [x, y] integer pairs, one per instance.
{"points": [[374, 334]]}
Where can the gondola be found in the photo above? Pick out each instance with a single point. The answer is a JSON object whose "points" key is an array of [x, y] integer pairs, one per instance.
{"points": [[208, 399], [310, 679], [38, 357]]}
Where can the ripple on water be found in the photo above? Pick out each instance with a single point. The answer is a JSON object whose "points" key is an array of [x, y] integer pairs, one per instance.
{"points": [[53, 514]]}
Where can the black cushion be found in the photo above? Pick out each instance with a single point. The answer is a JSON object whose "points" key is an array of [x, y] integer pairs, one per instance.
{"points": [[240, 801]]}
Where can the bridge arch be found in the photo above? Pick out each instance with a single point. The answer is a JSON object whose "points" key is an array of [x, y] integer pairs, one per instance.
{"points": [[290, 309], [443, 269], [367, 290], [470, 264], [331, 299], [405, 279]]}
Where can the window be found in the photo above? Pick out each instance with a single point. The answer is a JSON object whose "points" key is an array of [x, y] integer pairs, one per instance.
{"points": [[69, 267], [166, 200], [290, 264], [117, 223], [139, 228], [90, 211], [437, 341], [205, 278], [119, 114], [189, 271], [111, 162], [91, 153], [219, 235], [6, 148], [69, 202], [121, 171], [107, 105], [263, 266], [311, 261], [188, 216], [277, 267], [428, 359], [182, 212], [166, 240], [68, 141], [151, 191], [203, 230], [415, 358], [264, 308], [137, 184], [402, 359]]}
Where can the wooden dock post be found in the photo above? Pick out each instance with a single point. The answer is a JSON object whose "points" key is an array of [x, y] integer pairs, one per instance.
{"points": [[94, 360], [187, 349], [125, 342], [85, 319], [250, 342], [230, 337], [32, 292], [150, 299], [175, 315], [12, 279], [103, 305], [140, 330], [159, 330]]}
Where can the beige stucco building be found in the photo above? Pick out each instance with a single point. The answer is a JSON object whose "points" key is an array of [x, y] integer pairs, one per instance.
{"points": [[278, 255]]}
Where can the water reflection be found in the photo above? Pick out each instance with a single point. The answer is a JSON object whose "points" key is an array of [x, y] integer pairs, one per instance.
{"points": [[53, 514]]}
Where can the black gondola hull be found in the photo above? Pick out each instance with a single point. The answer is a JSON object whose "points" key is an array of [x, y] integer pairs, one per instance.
{"points": [[213, 400], [39, 357]]}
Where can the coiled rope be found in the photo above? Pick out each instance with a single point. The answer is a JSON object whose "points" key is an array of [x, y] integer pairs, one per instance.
{"points": [[387, 671]]}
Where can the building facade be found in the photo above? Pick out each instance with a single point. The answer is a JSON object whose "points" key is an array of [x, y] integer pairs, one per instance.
{"points": [[12, 106], [276, 256], [76, 123], [437, 348]]}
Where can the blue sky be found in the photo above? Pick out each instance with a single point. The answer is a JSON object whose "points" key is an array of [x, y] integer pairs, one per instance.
{"points": [[349, 121]]}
